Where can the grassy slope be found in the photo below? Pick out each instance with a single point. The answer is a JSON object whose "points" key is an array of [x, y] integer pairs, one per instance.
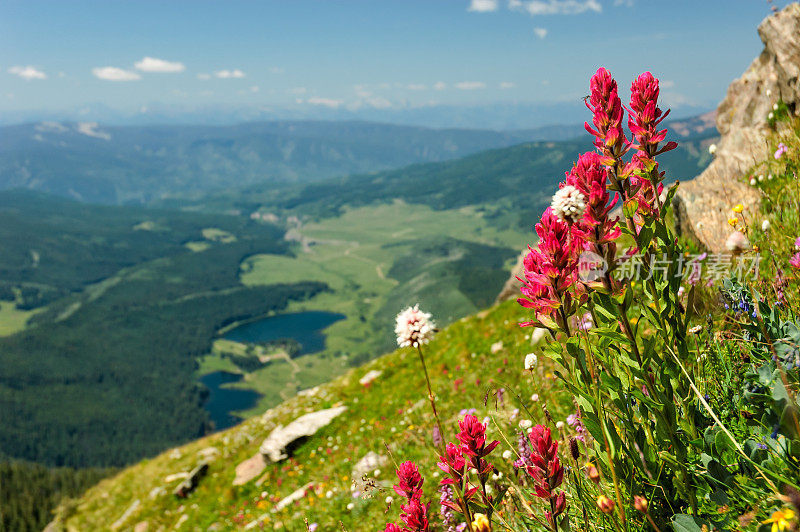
{"points": [[391, 411]]}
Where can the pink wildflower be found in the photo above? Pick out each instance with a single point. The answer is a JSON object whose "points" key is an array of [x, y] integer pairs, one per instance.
{"points": [[797, 244], [795, 260], [781, 150], [473, 443], [409, 483], [551, 270], [596, 228], [645, 116], [605, 105], [415, 516], [546, 470]]}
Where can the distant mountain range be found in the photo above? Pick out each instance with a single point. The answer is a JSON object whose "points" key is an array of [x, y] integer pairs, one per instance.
{"points": [[142, 164], [503, 116], [137, 164]]}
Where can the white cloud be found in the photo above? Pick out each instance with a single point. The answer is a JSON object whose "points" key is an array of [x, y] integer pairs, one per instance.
{"points": [[255, 88], [626, 3], [440, 85], [507, 85], [110, 73], [666, 83], [298, 90], [90, 130], [326, 102], [204, 76], [540, 32], [227, 74], [27, 72], [482, 6], [416, 87], [276, 70], [558, 7], [470, 85], [153, 64]]}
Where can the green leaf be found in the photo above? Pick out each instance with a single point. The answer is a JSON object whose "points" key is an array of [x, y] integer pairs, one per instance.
{"points": [[689, 523]]}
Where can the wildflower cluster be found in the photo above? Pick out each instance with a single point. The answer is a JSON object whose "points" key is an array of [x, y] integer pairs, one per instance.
{"points": [[414, 513]]}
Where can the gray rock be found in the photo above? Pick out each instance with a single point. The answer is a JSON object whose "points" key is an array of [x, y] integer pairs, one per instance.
{"points": [[277, 445], [192, 481], [249, 469]]}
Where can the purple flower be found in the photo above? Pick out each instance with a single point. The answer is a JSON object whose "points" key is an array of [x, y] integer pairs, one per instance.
{"points": [[781, 150]]}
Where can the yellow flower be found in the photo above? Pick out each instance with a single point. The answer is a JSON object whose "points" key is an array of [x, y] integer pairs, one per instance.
{"points": [[733, 221], [481, 523], [738, 208], [781, 520]]}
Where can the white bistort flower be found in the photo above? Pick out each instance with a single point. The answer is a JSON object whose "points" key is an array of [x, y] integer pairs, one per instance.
{"points": [[530, 361], [414, 327], [765, 225], [712, 149], [568, 204]]}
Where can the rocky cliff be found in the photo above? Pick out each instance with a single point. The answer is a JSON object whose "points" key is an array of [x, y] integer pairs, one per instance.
{"points": [[703, 204]]}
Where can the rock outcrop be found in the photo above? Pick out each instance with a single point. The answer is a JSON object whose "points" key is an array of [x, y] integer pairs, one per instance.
{"points": [[703, 204], [276, 446]]}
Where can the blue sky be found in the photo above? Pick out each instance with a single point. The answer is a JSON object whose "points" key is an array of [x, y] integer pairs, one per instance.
{"points": [[353, 54]]}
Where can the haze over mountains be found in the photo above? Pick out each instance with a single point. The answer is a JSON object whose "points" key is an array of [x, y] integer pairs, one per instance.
{"points": [[140, 164], [509, 115]]}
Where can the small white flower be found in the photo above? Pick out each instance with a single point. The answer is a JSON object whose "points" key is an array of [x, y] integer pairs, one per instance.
{"points": [[377, 472], [769, 177], [497, 476], [769, 93], [568, 204], [765, 225], [507, 455], [771, 115], [435, 474], [350, 506], [535, 397], [328, 494], [414, 327], [560, 425], [681, 291], [775, 107], [496, 347], [525, 424], [760, 178], [696, 329], [389, 499], [752, 182], [712, 149], [530, 361]]}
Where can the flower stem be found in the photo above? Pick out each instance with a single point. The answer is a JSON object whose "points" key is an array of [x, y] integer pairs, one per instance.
{"points": [[431, 399]]}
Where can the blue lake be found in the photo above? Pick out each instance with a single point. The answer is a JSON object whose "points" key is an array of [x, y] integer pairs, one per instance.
{"points": [[222, 401], [305, 327]]}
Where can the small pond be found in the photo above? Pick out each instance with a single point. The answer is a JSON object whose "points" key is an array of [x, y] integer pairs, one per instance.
{"points": [[222, 401], [305, 327]]}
